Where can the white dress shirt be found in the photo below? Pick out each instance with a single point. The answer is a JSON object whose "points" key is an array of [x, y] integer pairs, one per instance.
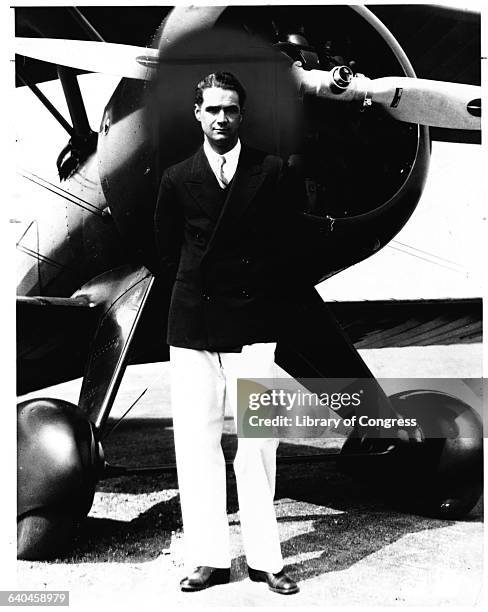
{"points": [[231, 161]]}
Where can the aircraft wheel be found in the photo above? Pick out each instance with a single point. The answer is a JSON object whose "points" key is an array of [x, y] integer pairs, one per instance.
{"points": [[435, 468], [45, 534], [59, 461]]}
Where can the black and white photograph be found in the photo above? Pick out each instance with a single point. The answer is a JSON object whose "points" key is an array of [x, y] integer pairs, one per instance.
{"points": [[247, 243]]}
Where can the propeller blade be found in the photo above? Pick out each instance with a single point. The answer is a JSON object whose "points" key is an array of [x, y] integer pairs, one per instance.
{"points": [[93, 56], [434, 103]]}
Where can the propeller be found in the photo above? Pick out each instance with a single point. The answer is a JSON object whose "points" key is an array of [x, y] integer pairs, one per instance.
{"points": [[434, 103]]}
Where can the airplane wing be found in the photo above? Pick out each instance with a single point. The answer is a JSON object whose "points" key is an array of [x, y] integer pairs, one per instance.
{"points": [[93, 56], [44, 324], [442, 41], [368, 324], [133, 25], [400, 323], [98, 321]]}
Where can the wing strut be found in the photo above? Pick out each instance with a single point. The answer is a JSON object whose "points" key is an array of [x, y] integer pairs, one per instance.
{"points": [[74, 100], [83, 141], [47, 103], [92, 33]]}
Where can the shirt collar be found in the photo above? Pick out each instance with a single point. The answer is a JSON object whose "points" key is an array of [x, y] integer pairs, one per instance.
{"points": [[231, 157]]}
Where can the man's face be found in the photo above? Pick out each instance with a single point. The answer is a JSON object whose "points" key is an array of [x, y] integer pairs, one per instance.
{"points": [[220, 116]]}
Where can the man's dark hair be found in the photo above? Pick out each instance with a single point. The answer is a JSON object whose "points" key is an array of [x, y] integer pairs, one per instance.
{"points": [[224, 80]]}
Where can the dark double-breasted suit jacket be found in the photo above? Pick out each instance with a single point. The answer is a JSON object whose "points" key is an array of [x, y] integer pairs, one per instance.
{"points": [[233, 254]]}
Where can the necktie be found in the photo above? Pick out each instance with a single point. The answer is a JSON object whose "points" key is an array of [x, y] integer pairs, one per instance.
{"points": [[223, 181]]}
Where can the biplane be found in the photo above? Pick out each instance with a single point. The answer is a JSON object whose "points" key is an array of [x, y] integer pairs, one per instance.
{"points": [[338, 97]]}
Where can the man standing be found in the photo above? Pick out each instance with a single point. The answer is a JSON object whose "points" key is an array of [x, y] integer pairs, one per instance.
{"points": [[222, 229]]}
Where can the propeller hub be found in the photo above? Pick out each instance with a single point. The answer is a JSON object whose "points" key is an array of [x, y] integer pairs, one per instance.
{"points": [[342, 76]]}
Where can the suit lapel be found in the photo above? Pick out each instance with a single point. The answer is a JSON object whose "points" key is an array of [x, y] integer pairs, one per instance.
{"points": [[203, 186], [247, 180], [205, 189]]}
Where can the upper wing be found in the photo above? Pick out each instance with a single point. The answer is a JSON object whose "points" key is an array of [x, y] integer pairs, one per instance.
{"points": [[442, 42], [130, 25], [92, 56]]}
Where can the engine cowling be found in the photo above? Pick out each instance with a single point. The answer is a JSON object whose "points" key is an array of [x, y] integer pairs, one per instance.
{"points": [[362, 169]]}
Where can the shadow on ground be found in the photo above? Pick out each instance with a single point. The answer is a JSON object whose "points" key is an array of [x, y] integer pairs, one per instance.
{"points": [[327, 518]]}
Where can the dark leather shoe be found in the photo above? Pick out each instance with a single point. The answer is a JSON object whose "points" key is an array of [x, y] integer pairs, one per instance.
{"points": [[278, 583], [204, 576]]}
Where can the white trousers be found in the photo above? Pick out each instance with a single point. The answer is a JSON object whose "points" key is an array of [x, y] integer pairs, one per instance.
{"points": [[201, 384]]}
